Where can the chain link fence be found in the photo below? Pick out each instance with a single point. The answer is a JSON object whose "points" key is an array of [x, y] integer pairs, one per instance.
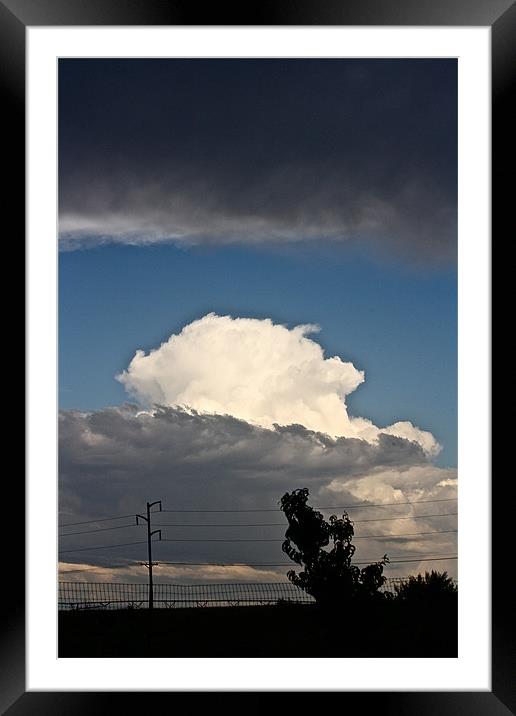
{"points": [[116, 595]]}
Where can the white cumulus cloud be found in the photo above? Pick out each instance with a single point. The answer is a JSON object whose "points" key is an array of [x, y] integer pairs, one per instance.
{"points": [[261, 372]]}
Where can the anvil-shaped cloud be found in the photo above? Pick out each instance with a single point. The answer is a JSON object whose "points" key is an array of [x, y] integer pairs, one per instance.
{"points": [[260, 372]]}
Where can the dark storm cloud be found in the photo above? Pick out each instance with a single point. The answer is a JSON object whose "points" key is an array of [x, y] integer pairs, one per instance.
{"points": [[112, 461], [259, 150]]}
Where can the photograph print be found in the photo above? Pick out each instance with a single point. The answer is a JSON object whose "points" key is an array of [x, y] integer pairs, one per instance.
{"points": [[257, 357]]}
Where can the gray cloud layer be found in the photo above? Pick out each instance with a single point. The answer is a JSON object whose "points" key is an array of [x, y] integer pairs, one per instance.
{"points": [[289, 205], [261, 152], [112, 461]]}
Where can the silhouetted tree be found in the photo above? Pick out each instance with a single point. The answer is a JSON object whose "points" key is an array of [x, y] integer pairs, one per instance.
{"points": [[432, 586], [327, 575]]}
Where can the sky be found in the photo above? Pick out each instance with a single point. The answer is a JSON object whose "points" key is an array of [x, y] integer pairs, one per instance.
{"points": [[257, 292]]}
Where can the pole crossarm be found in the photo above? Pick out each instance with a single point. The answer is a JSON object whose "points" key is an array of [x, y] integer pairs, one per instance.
{"points": [[146, 564]]}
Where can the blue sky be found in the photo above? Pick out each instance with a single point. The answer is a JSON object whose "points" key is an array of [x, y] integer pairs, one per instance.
{"points": [[396, 322]]}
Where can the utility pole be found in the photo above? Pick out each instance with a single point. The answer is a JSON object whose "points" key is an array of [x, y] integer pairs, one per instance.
{"points": [[150, 532]]}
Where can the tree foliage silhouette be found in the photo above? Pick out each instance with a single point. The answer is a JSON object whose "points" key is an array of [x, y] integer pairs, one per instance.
{"points": [[430, 587], [328, 574]]}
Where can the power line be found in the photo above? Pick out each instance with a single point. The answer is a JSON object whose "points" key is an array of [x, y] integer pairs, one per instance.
{"points": [[285, 524], [244, 539], [101, 529], [263, 524], [103, 546], [396, 560], [388, 504], [433, 554], [377, 537], [228, 524], [342, 507], [103, 519], [127, 544], [228, 564], [410, 517], [272, 524], [222, 540], [428, 559], [405, 534], [290, 564]]}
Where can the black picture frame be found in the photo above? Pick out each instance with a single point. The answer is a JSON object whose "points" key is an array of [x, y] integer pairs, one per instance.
{"points": [[500, 15]]}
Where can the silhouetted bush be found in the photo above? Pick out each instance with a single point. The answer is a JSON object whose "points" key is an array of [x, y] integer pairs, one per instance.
{"points": [[327, 575], [433, 586]]}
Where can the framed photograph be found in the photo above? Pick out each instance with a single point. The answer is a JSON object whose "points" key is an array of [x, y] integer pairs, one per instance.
{"points": [[258, 305]]}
